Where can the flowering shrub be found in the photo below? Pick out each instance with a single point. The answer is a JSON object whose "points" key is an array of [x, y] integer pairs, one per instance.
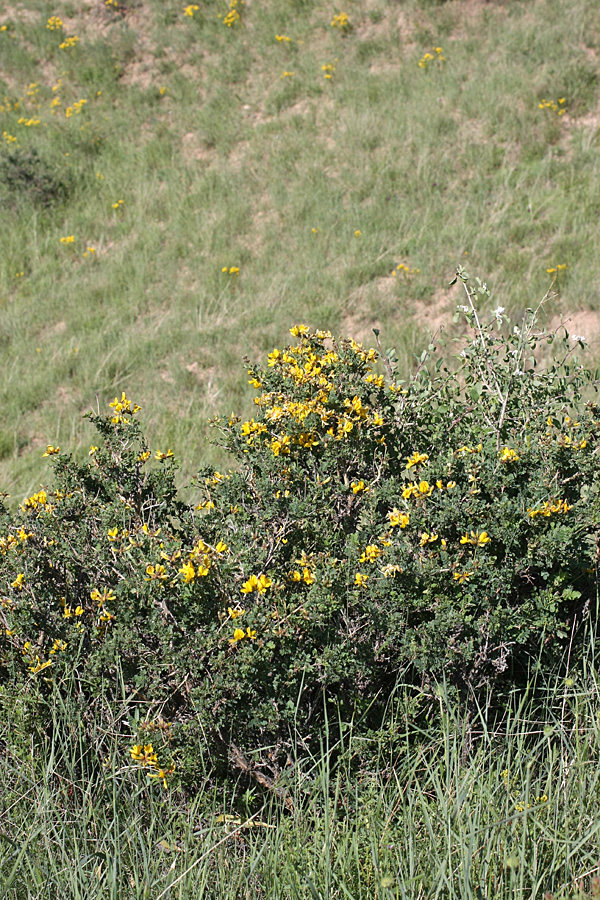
{"points": [[374, 529]]}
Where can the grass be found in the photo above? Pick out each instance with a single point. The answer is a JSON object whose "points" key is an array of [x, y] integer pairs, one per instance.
{"points": [[220, 161], [513, 816]]}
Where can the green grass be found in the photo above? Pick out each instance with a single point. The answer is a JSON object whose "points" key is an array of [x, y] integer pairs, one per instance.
{"points": [[234, 165], [509, 812]]}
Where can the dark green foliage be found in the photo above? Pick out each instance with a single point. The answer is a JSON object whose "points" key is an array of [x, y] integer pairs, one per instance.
{"points": [[27, 176]]}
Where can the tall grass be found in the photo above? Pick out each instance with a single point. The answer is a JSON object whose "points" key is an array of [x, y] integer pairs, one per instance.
{"points": [[435, 811], [235, 164]]}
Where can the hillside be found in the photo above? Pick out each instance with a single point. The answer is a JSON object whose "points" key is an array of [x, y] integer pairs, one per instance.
{"points": [[180, 184]]}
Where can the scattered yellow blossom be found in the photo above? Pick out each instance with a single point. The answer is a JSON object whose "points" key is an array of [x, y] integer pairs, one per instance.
{"points": [[398, 519], [258, 583], [475, 538], [416, 459]]}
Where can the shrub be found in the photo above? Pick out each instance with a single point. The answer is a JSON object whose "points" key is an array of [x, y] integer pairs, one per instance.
{"points": [[373, 530], [25, 175]]}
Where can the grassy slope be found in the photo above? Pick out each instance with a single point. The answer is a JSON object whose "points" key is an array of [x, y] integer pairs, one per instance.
{"points": [[235, 165]]}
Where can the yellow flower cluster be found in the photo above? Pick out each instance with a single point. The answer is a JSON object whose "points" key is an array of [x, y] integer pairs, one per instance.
{"points": [[328, 69], [557, 106], [342, 21], [258, 583], [123, 406], [146, 758], [464, 450], [509, 455], [69, 42], [306, 576], [311, 366], [283, 39], [416, 459], [405, 271], [428, 58], [371, 554], [190, 10], [233, 17], [36, 501], [476, 539], [554, 270], [200, 559], [547, 508], [239, 635], [398, 519], [75, 109], [54, 23], [14, 542]]}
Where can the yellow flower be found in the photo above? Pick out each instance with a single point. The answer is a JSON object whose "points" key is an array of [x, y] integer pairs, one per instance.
{"points": [[371, 553], [188, 572], [416, 459], [254, 583], [238, 635], [475, 538], [19, 581], [398, 518], [190, 10], [425, 488], [51, 451], [160, 455], [428, 538], [508, 455], [358, 486], [461, 577], [69, 239], [235, 613], [360, 579], [69, 42]]}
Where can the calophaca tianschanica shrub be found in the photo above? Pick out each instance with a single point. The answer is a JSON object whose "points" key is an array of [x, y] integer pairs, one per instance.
{"points": [[370, 530]]}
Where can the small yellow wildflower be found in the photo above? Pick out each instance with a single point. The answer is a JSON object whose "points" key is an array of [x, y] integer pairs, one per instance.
{"points": [[416, 459], [371, 553], [51, 451], [475, 538], [235, 613], [461, 577], [398, 519], [508, 455], [360, 580], [256, 583]]}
